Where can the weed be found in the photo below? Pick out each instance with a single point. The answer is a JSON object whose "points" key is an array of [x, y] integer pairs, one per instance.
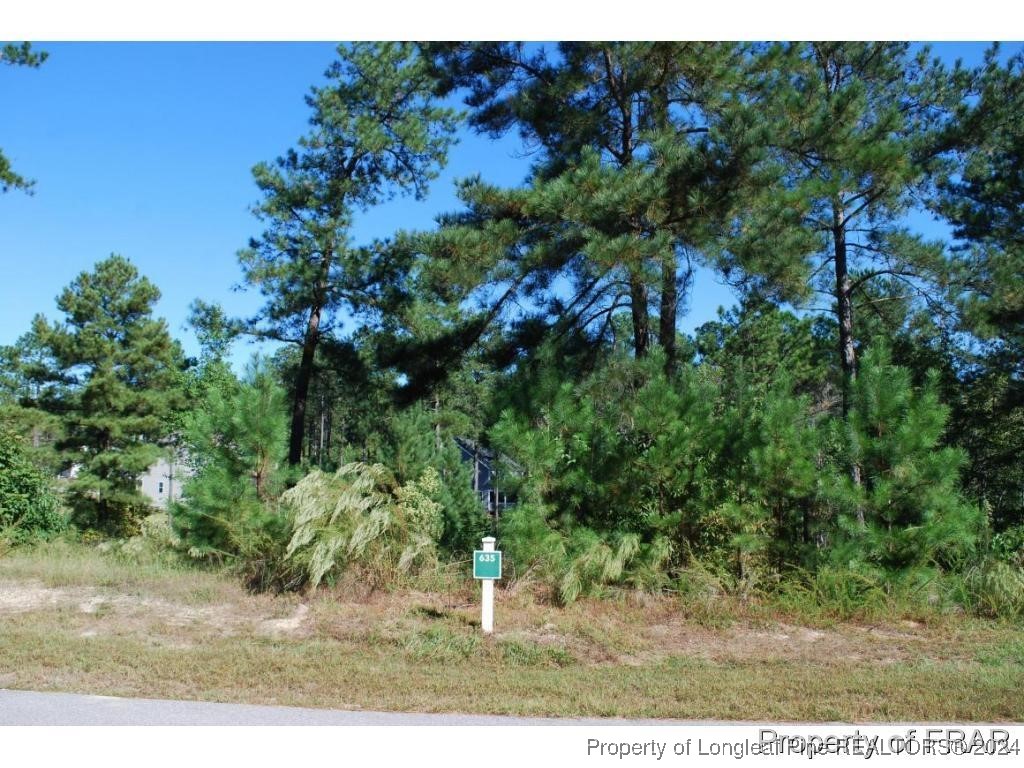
{"points": [[442, 643], [1007, 652], [522, 653]]}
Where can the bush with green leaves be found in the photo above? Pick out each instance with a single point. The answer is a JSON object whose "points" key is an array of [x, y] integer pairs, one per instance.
{"points": [[908, 510], [29, 508], [237, 440], [360, 519], [418, 443], [630, 474], [1008, 546], [581, 561]]}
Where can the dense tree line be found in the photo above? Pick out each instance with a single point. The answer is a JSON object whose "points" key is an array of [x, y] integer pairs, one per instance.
{"points": [[856, 419]]}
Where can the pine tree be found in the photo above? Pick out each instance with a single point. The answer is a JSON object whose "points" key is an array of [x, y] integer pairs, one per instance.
{"points": [[26, 389], [640, 150], [236, 438], [982, 197], [376, 131], [348, 399], [855, 125], [913, 512], [115, 371], [762, 344]]}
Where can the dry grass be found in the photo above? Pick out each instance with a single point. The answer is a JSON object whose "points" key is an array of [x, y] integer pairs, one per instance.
{"points": [[74, 619]]}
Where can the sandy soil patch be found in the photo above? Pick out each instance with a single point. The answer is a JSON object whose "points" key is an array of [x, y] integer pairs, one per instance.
{"points": [[104, 611]]}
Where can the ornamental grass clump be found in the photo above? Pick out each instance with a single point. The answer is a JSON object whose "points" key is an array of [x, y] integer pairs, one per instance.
{"points": [[360, 518]]}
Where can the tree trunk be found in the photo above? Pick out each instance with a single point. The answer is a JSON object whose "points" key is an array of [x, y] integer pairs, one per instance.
{"points": [[637, 287], [302, 379], [320, 436], [259, 476], [641, 317], [844, 303], [305, 373], [667, 313], [844, 307], [330, 434]]}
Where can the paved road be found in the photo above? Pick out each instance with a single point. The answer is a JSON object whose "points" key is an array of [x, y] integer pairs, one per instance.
{"points": [[32, 708]]}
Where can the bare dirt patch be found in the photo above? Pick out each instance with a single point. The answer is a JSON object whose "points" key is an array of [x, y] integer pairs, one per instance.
{"points": [[789, 643], [294, 625], [101, 611], [24, 597]]}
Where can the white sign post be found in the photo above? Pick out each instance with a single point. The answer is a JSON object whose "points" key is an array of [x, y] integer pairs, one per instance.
{"points": [[487, 568]]}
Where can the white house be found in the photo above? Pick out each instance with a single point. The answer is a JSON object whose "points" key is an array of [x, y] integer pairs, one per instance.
{"points": [[163, 480], [161, 483]]}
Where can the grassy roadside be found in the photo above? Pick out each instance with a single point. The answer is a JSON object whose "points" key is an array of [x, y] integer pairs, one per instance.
{"points": [[74, 619]]}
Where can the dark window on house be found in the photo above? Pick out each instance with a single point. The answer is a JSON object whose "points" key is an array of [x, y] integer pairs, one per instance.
{"points": [[160, 488]]}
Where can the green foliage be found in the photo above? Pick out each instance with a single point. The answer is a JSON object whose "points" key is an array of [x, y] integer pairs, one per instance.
{"points": [[995, 589], [28, 505], [597, 562], [760, 345], [840, 592], [633, 479], [420, 442], [908, 512], [360, 519], [376, 131], [112, 370], [581, 561], [346, 404], [1008, 546], [832, 593], [26, 387], [642, 148], [988, 422], [236, 438], [661, 470], [981, 194]]}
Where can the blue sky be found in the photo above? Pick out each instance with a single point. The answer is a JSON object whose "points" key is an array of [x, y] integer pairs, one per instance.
{"points": [[145, 149]]}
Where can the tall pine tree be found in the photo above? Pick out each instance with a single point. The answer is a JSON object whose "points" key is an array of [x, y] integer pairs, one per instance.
{"points": [[983, 198], [854, 125], [115, 375], [637, 155], [376, 131]]}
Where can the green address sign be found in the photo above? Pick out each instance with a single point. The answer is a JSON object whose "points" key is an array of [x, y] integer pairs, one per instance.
{"points": [[486, 565]]}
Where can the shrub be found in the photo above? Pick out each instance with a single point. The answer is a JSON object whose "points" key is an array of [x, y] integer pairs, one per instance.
{"points": [[236, 441], [582, 561], [417, 443], [360, 518], [1008, 546], [28, 506], [912, 511], [834, 592], [995, 589]]}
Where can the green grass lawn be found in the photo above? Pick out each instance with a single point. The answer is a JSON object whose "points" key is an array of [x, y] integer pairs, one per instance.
{"points": [[75, 619]]}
